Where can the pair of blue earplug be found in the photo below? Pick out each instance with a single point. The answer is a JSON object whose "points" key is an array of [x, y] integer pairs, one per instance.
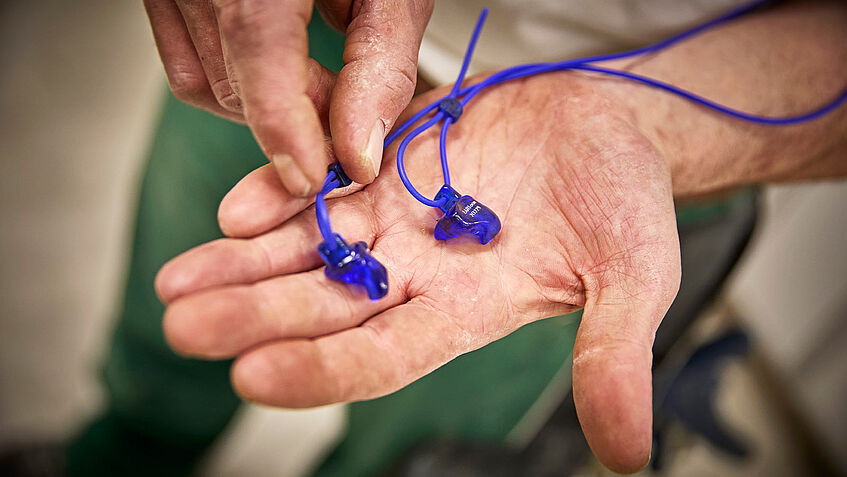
{"points": [[462, 214]]}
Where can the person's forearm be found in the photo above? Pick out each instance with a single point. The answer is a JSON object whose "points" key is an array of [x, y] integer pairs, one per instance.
{"points": [[783, 61]]}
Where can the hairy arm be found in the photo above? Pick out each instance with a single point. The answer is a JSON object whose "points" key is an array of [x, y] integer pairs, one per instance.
{"points": [[781, 61]]}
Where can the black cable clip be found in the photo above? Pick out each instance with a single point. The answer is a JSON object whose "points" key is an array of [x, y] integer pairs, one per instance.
{"points": [[452, 107], [340, 175]]}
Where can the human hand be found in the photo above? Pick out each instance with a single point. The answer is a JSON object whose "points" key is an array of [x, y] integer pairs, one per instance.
{"points": [[247, 60], [588, 221]]}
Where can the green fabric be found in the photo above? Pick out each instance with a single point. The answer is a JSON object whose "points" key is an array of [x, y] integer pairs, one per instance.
{"points": [[693, 214], [164, 411]]}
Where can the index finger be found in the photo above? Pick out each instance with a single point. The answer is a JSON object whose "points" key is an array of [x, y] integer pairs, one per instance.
{"points": [[268, 47]]}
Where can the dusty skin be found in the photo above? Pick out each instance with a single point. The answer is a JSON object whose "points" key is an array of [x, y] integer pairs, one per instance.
{"points": [[588, 221], [247, 60]]}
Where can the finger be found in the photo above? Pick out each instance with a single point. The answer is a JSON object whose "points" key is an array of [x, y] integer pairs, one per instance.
{"points": [[291, 248], [612, 365], [376, 82], [268, 46], [199, 18], [230, 71], [259, 203], [185, 73], [382, 355], [223, 322], [321, 82]]}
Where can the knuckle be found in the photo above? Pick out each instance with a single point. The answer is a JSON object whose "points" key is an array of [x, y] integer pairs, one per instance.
{"points": [[235, 84], [187, 86], [591, 349], [396, 80], [402, 77], [236, 17], [231, 102], [273, 114], [270, 128], [263, 121], [398, 88], [320, 83], [226, 95]]}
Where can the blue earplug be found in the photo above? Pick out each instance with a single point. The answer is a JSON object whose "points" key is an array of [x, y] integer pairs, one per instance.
{"points": [[354, 265], [464, 215]]}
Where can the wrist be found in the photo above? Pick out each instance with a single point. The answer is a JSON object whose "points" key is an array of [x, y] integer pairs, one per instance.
{"points": [[660, 122], [799, 68], [671, 129]]}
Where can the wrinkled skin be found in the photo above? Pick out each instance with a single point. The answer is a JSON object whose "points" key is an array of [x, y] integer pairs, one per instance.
{"points": [[588, 221], [248, 61]]}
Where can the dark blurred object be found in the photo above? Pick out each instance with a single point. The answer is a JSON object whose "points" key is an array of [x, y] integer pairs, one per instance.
{"points": [[690, 397], [558, 451], [33, 461]]}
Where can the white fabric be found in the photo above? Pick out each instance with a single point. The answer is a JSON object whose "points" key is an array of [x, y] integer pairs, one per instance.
{"points": [[522, 31]]}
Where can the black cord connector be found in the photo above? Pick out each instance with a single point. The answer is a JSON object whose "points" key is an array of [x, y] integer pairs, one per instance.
{"points": [[452, 107], [340, 175]]}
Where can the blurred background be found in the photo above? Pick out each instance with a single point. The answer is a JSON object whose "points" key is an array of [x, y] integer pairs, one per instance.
{"points": [[80, 94]]}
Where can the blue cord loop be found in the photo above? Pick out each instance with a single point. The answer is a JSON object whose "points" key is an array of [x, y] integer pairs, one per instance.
{"points": [[344, 263], [463, 215], [444, 106]]}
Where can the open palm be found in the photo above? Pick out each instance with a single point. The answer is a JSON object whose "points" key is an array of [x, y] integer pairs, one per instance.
{"points": [[587, 212]]}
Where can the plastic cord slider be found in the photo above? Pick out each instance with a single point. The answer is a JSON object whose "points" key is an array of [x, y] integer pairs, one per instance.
{"points": [[452, 107], [340, 175]]}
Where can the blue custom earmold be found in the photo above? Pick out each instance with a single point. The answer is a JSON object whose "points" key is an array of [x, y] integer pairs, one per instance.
{"points": [[464, 215], [354, 265]]}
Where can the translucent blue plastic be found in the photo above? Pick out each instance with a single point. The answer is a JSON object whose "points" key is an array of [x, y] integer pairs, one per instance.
{"points": [[354, 265], [464, 215], [452, 107]]}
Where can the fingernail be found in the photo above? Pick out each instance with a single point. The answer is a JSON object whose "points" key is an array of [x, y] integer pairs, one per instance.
{"points": [[373, 152], [291, 175]]}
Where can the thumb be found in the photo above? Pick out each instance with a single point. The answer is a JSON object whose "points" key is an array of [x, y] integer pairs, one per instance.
{"points": [[613, 358], [377, 81]]}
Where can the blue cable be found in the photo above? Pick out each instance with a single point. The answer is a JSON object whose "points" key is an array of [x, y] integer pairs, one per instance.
{"points": [[466, 62], [467, 93], [442, 149], [773, 121], [401, 151], [330, 183], [463, 215]]}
